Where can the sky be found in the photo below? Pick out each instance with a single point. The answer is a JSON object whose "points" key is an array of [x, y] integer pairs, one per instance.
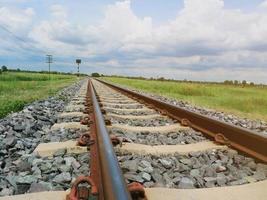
{"points": [[206, 40]]}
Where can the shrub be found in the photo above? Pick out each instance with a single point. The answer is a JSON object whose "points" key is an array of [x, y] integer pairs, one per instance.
{"points": [[4, 68], [95, 74]]}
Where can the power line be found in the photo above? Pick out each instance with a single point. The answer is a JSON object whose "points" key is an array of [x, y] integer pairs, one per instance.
{"points": [[32, 48]]}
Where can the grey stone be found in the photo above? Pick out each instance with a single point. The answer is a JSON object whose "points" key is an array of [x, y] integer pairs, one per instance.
{"points": [[12, 180], [220, 169], [176, 180], [40, 187], [157, 176], [64, 177], [195, 154], [209, 171], [145, 163], [75, 164], [148, 169], [37, 172], [183, 168], [210, 181], [37, 161], [166, 163], [43, 118], [60, 152], [149, 184], [262, 167], [186, 161], [18, 127], [231, 153], [68, 160], [45, 166], [221, 181], [194, 172], [133, 177], [58, 160], [24, 166], [129, 165], [168, 180], [19, 145], [7, 192], [259, 175], [146, 176], [10, 141], [186, 183], [28, 179], [252, 165], [22, 188], [64, 168], [238, 182], [58, 187]]}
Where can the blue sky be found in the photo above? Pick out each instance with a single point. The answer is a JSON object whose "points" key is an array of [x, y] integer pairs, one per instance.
{"points": [[209, 40]]}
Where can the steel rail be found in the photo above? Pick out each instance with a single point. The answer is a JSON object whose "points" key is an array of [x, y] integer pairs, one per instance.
{"points": [[114, 186], [244, 140]]}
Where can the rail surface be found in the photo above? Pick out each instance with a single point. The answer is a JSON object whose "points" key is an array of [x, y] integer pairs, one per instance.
{"points": [[246, 141], [113, 183]]}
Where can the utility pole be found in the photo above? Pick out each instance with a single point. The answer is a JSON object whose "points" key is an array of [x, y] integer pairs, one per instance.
{"points": [[49, 60], [78, 61]]}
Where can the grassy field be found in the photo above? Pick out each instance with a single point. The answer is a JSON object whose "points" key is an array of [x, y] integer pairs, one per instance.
{"points": [[18, 89], [247, 101]]}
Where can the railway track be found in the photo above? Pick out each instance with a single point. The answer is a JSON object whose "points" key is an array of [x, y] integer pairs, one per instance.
{"points": [[141, 148]]}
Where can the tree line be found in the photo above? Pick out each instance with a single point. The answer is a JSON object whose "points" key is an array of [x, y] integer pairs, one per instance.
{"points": [[226, 82], [5, 69]]}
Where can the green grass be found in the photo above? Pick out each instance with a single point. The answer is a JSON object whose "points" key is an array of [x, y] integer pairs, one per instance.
{"points": [[18, 89], [249, 101]]}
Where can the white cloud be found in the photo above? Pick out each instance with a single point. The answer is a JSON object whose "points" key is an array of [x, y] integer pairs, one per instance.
{"points": [[204, 38], [199, 29], [264, 4], [58, 11], [16, 19]]}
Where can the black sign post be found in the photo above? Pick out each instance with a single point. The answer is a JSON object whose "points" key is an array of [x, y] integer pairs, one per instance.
{"points": [[78, 61]]}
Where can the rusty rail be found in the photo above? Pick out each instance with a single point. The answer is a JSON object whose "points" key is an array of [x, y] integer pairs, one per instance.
{"points": [[244, 140], [112, 180]]}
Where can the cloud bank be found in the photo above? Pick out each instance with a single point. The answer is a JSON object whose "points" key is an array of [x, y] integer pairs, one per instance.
{"points": [[205, 41]]}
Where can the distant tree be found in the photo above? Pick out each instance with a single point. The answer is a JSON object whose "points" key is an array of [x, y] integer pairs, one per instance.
{"points": [[236, 82], [161, 79], [228, 82], [4, 68], [244, 82], [251, 84], [18, 69], [95, 74], [0, 71]]}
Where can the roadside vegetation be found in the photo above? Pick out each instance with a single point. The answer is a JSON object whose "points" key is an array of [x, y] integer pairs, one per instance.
{"points": [[244, 100], [20, 88]]}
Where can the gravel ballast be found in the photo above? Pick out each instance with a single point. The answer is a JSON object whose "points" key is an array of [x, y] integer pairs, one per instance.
{"points": [[125, 112], [142, 122], [20, 133], [180, 137], [123, 106], [62, 135], [196, 170], [32, 173]]}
